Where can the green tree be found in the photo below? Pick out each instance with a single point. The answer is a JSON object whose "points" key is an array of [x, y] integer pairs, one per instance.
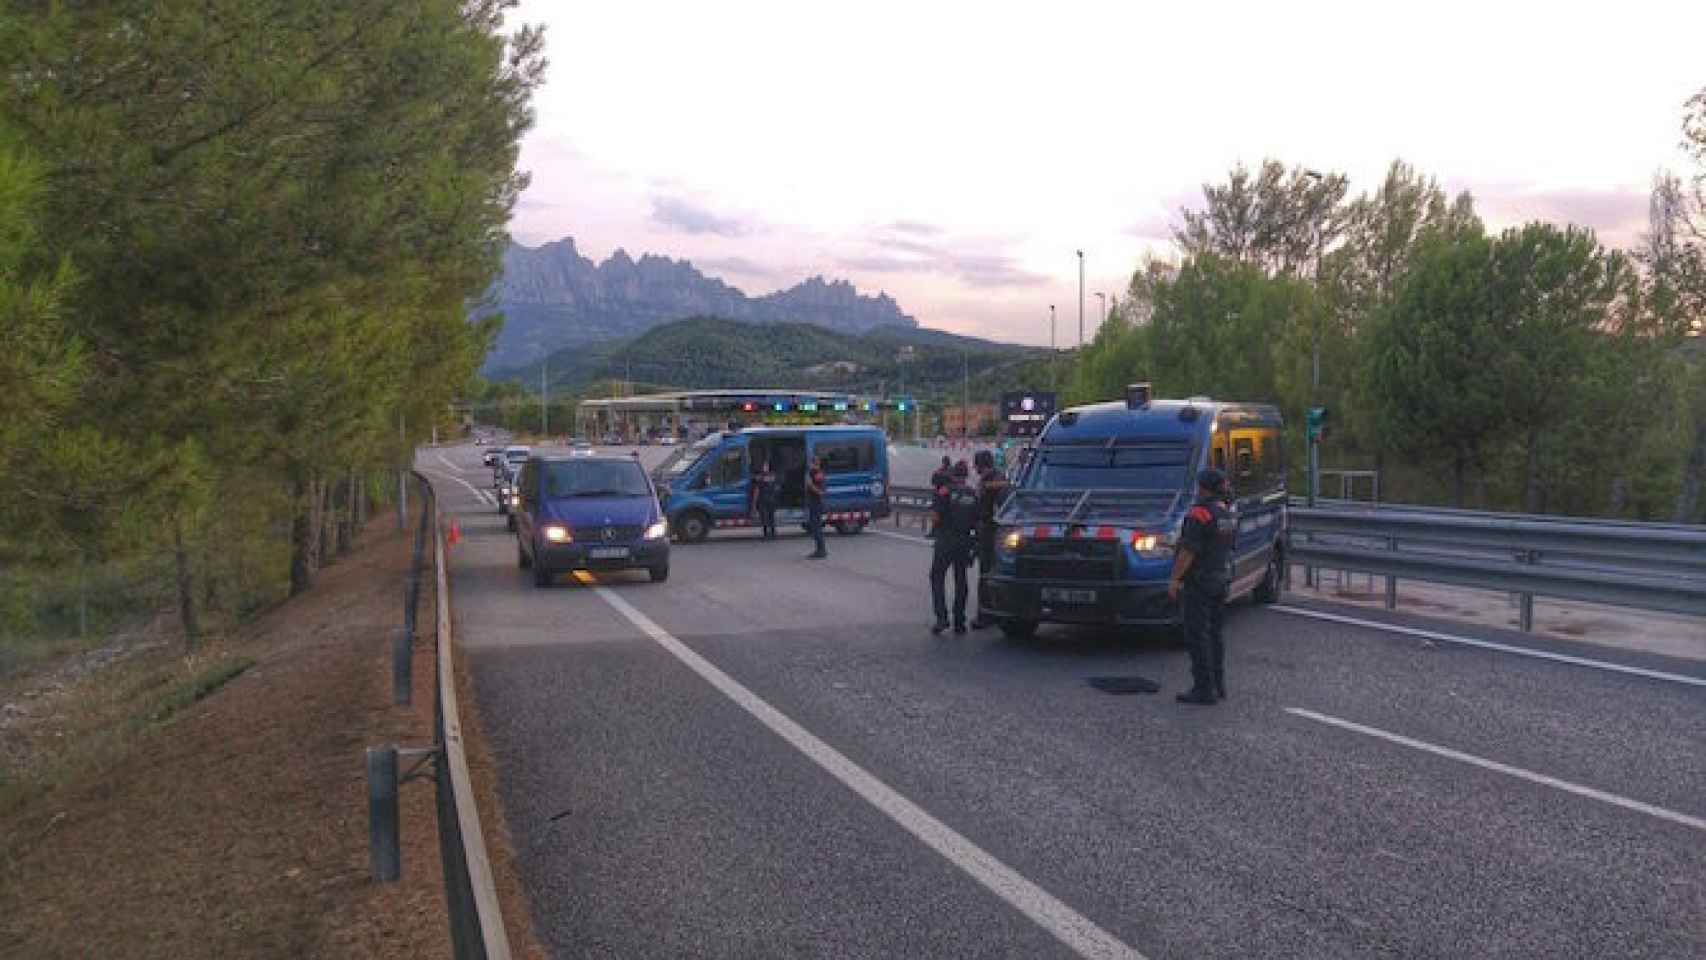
{"points": [[1430, 355]]}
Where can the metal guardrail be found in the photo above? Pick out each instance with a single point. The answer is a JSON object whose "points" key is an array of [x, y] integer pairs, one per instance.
{"points": [[1646, 566], [1649, 566], [476, 921]]}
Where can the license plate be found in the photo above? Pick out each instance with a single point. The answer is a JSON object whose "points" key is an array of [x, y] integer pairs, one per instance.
{"points": [[1064, 595], [608, 553]]}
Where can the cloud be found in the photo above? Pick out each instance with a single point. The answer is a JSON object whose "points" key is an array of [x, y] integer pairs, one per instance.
{"points": [[739, 265], [879, 263], [915, 228], [992, 270], [687, 217], [1155, 226], [1617, 215]]}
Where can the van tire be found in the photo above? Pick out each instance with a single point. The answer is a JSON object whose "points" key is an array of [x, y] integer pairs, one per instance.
{"points": [[693, 526], [522, 560], [1273, 581], [509, 522], [849, 528], [1019, 629], [541, 575], [659, 574]]}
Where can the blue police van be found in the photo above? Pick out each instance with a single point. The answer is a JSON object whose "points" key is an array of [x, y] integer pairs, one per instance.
{"points": [[709, 485], [1087, 535]]}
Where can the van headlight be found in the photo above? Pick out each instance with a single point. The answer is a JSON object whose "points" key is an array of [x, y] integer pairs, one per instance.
{"points": [[1010, 541], [556, 533], [1151, 546], [657, 531]]}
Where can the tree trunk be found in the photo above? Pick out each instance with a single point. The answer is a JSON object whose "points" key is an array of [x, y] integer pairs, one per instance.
{"points": [[186, 588], [1688, 499], [324, 534], [1531, 481], [82, 595], [346, 516], [1618, 500], [301, 539]]}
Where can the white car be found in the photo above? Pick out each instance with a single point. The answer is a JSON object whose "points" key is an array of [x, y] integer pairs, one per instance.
{"points": [[582, 449], [666, 441]]}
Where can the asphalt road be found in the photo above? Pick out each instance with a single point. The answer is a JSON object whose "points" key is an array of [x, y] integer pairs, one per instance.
{"points": [[770, 756]]}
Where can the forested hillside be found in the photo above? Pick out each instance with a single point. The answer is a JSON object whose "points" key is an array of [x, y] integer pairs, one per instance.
{"points": [[708, 352]]}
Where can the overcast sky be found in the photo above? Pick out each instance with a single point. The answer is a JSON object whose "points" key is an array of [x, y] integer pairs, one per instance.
{"points": [[955, 155]]}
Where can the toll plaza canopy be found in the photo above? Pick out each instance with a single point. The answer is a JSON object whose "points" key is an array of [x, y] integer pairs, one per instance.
{"points": [[681, 411]]}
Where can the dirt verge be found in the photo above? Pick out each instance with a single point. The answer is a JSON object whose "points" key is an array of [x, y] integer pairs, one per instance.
{"points": [[230, 817]]}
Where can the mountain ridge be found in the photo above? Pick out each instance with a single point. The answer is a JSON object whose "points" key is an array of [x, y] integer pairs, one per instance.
{"points": [[552, 296]]}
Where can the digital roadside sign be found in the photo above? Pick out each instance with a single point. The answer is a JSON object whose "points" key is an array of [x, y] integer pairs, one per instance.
{"points": [[1024, 413]]}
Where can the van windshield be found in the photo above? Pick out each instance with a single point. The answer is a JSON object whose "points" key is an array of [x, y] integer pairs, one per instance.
{"points": [[595, 478], [683, 459], [1136, 466]]}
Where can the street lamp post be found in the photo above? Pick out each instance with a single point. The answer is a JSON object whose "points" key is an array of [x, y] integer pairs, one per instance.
{"points": [[1080, 298], [1104, 298]]}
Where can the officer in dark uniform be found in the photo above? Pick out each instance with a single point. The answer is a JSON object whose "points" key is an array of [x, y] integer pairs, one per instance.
{"points": [[956, 525], [942, 476], [1202, 575], [992, 489], [815, 487], [765, 489]]}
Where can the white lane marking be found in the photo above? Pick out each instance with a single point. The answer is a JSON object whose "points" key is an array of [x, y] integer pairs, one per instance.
{"points": [[480, 495], [440, 455], [898, 536], [1540, 778], [1492, 645], [1068, 926]]}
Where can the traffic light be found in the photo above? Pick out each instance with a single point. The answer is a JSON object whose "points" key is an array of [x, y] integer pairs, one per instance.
{"points": [[1317, 423]]}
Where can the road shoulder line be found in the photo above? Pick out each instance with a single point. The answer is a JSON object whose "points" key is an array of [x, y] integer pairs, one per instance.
{"points": [[1504, 768], [1492, 645], [1071, 928]]}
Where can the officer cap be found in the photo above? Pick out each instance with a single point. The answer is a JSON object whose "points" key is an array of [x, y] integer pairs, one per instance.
{"points": [[961, 470], [1212, 480]]}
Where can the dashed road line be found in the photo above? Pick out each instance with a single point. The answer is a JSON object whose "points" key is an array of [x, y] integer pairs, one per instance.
{"points": [[1068, 926], [1504, 768]]}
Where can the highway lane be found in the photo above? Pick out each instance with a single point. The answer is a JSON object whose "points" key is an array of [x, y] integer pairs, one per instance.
{"points": [[655, 818]]}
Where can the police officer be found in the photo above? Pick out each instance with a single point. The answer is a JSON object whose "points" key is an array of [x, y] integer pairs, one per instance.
{"points": [[991, 493], [765, 488], [956, 526], [1202, 574], [814, 507], [940, 479]]}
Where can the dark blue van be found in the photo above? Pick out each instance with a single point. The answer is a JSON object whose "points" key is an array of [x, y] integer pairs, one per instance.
{"points": [[709, 484], [1087, 535], [588, 513]]}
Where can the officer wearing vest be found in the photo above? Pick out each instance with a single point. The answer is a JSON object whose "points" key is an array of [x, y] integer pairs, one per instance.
{"points": [[956, 537], [1202, 575], [992, 489]]}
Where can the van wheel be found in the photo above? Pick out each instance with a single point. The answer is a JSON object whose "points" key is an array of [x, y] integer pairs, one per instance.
{"points": [[522, 560], [659, 574], [541, 575], [509, 522], [1268, 591], [693, 526], [849, 528], [1019, 629]]}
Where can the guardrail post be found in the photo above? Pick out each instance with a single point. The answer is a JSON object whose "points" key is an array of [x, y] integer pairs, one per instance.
{"points": [[384, 849], [1392, 582], [402, 667], [1525, 616]]}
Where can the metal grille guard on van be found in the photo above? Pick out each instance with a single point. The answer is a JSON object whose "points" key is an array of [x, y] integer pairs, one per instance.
{"points": [[1071, 507]]}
